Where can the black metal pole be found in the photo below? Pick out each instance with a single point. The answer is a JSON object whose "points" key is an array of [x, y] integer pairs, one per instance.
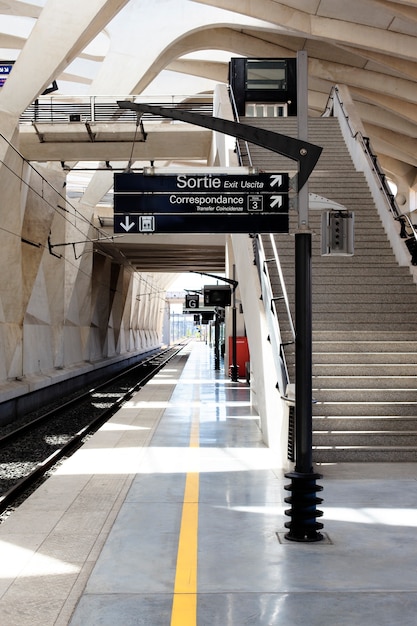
{"points": [[234, 368], [303, 353], [216, 341], [303, 525]]}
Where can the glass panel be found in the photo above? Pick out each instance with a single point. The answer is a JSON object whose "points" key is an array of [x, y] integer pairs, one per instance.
{"points": [[266, 75]]}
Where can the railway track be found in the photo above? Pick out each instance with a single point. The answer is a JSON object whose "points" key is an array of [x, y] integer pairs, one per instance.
{"points": [[28, 452]]}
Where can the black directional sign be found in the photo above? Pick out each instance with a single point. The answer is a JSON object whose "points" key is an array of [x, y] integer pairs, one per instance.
{"points": [[172, 203], [209, 224], [131, 182], [208, 203]]}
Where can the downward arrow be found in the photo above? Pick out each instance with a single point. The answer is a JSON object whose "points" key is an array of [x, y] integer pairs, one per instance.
{"points": [[276, 179], [127, 224], [276, 201]]}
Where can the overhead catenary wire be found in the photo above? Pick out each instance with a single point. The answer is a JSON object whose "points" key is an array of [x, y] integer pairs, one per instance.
{"points": [[60, 210], [77, 213], [138, 277]]}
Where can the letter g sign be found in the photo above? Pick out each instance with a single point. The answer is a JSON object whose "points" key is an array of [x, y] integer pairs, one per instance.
{"points": [[191, 302]]}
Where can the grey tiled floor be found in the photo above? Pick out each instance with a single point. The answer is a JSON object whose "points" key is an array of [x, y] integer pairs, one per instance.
{"points": [[105, 528]]}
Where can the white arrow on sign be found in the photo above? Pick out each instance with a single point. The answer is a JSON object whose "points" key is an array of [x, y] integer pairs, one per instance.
{"points": [[127, 225], [276, 201], [276, 179]]}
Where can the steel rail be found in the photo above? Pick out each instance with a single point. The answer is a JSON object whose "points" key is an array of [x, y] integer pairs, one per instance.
{"points": [[24, 484]]}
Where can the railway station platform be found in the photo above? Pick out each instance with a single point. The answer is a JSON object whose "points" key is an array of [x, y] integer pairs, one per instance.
{"points": [[173, 515]]}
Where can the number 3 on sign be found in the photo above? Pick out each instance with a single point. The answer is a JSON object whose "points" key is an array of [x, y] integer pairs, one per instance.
{"points": [[255, 203]]}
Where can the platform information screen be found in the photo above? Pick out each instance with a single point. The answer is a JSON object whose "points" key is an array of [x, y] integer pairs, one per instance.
{"points": [[201, 203]]}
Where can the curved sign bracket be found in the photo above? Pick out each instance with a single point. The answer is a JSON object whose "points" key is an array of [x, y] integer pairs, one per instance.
{"points": [[305, 153]]}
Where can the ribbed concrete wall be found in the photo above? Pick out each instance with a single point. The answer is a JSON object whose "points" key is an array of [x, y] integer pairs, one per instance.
{"points": [[64, 308]]}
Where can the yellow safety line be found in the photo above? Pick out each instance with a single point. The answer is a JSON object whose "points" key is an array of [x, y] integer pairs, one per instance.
{"points": [[184, 608]]}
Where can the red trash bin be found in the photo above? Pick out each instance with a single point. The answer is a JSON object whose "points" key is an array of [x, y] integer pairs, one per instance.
{"points": [[242, 354]]}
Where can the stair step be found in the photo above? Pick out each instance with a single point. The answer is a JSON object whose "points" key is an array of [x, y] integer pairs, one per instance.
{"points": [[363, 382], [369, 358], [364, 369], [362, 326], [357, 335], [365, 424], [353, 302], [365, 346], [365, 454], [368, 284], [395, 290], [373, 438], [365, 395], [367, 305], [361, 409], [340, 271], [354, 266], [369, 316]]}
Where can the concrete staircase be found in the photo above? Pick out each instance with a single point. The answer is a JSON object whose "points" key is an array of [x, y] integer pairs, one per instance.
{"points": [[364, 315]]}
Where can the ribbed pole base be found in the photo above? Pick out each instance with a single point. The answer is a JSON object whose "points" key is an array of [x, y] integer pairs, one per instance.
{"points": [[303, 500]]}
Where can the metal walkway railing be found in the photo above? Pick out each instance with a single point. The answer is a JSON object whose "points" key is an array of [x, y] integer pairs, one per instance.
{"points": [[55, 109]]}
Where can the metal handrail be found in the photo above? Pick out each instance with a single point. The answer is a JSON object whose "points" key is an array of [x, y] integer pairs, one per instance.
{"points": [[367, 149], [236, 118], [402, 218], [282, 284], [272, 312]]}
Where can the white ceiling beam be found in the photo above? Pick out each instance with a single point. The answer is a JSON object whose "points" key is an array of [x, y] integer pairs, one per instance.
{"points": [[372, 81], [399, 146], [405, 110], [216, 38], [402, 67], [67, 28], [20, 9], [286, 18]]}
